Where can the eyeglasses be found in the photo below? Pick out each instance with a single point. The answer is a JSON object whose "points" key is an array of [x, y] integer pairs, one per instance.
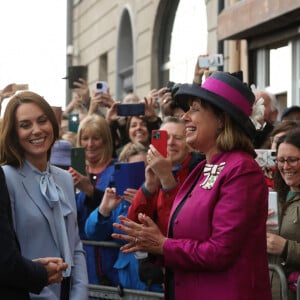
{"points": [[291, 161]]}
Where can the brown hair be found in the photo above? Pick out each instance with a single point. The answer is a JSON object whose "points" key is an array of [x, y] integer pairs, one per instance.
{"points": [[11, 152], [283, 126], [231, 136], [97, 124], [144, 119], [292, 137]]}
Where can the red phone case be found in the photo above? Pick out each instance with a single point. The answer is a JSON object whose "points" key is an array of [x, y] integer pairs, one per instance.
{"points": [[159, 139]]}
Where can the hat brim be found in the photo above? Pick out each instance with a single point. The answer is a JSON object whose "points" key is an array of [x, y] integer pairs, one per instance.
{"points": [[186, 91]]}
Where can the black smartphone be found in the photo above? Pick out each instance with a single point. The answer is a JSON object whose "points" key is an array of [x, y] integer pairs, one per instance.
{"points": [[78, 159], [73, 122], [131, 109], [74, 73]]}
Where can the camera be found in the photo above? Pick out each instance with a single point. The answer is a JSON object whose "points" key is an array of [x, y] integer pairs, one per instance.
{"points": [[215, 60], [101, 86], [172, 87]]}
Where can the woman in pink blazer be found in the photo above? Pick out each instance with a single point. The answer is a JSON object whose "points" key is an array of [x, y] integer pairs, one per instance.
{"points": [[216, 243]]}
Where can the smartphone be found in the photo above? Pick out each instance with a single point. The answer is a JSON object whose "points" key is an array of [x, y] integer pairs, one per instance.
{"points": [[128, 175], [74, 73], [101, 86], [273, 204], [131, 109], [78, 159], [159, 139], [73, 122], [215, 60]]}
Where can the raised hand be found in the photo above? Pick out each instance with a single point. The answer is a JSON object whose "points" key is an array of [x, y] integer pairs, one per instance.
{"points": [[82, 182], [82, 90], [109, 202]]}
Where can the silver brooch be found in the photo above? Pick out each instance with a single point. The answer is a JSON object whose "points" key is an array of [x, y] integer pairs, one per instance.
{"points": [[211, 172]]}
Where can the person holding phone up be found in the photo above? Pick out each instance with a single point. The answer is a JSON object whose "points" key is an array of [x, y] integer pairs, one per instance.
{"points": [[153, 198], [120, 122], [215, 246], [95, 137], [284, 246]]}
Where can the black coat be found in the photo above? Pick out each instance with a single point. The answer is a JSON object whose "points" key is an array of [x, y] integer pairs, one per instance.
{"points": [[18, 275]]}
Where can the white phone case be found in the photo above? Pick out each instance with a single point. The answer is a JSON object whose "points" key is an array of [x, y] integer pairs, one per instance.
{"points": [[273, 204]]}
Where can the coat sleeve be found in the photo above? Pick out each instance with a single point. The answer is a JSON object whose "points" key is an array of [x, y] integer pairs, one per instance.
{"points": [[142, 203], [97, 227], [79, 280], [16, 271]]}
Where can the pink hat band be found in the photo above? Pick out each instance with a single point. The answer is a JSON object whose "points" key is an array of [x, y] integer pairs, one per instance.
{"points": [[229, 93]]}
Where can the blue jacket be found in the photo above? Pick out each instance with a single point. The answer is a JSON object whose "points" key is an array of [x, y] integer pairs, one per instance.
{"points": [[34, 225], [100, 228], [100, 260]]}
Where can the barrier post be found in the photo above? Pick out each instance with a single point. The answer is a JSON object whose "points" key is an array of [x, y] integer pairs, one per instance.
{"points": [[283, 282]]}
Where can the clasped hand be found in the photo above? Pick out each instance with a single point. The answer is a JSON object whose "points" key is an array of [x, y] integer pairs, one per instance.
{"points": [[54, 266]]}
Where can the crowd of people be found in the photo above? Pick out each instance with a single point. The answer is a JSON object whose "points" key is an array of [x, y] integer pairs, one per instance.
{"points": [[199, 224]]}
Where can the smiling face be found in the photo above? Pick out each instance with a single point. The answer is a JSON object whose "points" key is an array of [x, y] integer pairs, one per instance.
{"points": [[177, 146], [35, 133], [202, 125], [138, 131], [290, 173], [93, 144]]}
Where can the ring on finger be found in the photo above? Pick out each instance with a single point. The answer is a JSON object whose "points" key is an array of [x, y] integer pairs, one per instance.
{"points": [[136, 240]]}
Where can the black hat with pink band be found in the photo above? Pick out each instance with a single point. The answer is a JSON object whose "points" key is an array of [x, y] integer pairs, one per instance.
{"points": [[224, 91]]}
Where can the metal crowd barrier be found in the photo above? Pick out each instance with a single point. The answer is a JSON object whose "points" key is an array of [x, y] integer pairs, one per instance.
{"points": [[283, 282], [97, 292], [298, 288]]}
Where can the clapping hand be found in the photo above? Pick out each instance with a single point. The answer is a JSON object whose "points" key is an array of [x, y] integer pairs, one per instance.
{"points": [[140, 237]]}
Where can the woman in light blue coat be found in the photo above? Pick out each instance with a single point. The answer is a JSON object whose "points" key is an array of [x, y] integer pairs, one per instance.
{"points": [[42, 196]]}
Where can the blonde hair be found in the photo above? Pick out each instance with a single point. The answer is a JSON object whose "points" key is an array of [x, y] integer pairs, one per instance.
{"points": [[131, 149], [98, 125]]}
